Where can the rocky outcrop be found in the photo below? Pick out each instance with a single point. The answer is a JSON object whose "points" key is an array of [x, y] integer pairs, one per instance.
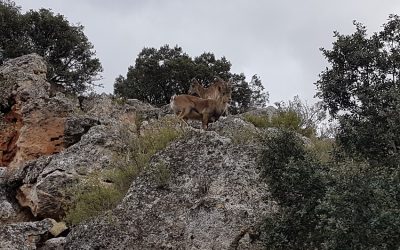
{"points": [[44, 180], [32, 124], [26, 235], [50, 141], [202, 192]]}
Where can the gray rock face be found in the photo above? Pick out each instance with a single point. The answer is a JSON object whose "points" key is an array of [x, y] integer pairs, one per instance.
{"points": [[21, 75], [202, 192], [37, 129], [76, 127], [54, 244], [25, 235], [44, 179]]}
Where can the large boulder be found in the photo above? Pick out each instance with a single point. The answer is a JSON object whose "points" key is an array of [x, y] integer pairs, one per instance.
{"points": [[201, 192]]}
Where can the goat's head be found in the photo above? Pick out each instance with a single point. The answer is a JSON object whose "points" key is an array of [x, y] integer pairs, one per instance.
{"points": [[224, 88], [194, 87]]}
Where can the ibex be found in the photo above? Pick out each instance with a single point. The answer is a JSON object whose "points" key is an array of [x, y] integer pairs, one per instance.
{"points": [[195, 108], [218, 88], [214, 91]]}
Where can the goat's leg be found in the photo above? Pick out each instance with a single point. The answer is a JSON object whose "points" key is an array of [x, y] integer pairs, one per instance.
{"points": [[205, 121], [183, 114]]}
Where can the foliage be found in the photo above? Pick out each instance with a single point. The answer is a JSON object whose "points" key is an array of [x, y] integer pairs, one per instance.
{"points": [[90, 199], [358, 204], [162, 175], [66, 49], [104, 190], [244, 135], [299, 116], [295, 182], [160, 73], [339, 203], [324, 149], [361, 89], [361, 209], [296, 115], [157, 75], [260, 121], [258, 98], [283, 119]]}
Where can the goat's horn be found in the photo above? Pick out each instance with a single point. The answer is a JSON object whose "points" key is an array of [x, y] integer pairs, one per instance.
{"points": [[217, 78], [194, 80]]}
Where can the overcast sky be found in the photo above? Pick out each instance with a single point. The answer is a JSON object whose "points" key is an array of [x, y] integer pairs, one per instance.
{"points": [[277, 40]]}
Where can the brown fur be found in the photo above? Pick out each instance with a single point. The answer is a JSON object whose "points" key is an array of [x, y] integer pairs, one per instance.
{"points": [[214, 91], [195, 108]]}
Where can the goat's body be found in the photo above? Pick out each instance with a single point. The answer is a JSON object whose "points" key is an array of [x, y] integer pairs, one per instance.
{"points": [[195, 108], [215, 91], [212, 92]]}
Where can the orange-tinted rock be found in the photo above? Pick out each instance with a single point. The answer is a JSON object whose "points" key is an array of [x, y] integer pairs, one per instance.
{"points": [[42, 134], [31, 126], [11, 125]]}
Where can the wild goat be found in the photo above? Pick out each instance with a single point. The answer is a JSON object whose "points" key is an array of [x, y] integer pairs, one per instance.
{"points": [[195, 108], [214, 91]]}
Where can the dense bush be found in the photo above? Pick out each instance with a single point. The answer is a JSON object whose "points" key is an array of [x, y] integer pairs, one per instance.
{"points": [[295, 181], [361, 208], [337, 203]]}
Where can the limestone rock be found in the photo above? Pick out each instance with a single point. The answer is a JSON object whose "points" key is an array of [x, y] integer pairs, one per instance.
{"points": [[75, 127], [54, 244], [27, 235], [57, 228], [37, 127], [202, 192], [32, 124], [46, 178]]}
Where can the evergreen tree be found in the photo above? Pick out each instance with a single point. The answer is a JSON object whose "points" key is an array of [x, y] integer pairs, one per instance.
{"points": [[159, 74], [361, 88], [70, 56]]}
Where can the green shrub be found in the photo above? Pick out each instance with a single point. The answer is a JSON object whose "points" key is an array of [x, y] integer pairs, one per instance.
{"points": [[244, 136], [339, 203], [286, 119], [323, 149], [91, 198], [295, 182], [261, 121], [361, 208]]}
